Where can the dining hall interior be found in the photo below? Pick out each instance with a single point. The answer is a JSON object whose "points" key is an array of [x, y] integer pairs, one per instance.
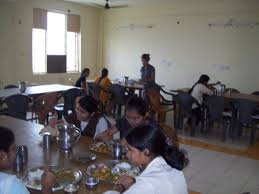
{"points": [[129, 96]]}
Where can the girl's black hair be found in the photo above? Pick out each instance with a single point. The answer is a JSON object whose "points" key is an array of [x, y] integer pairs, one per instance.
{"points": [[84, 71], [151, 137], [6, 139], [204, 79], [137, 104], [89, 104], [104, 74], [146, 57]]}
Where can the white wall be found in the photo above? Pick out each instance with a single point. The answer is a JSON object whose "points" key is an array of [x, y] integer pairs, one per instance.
{"points": [[16, 39], [181, 52]]}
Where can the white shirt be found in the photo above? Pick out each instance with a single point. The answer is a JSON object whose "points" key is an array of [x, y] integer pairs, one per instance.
{"points": [[101, 126], [198, 91], [158, 178], [9, 184]]}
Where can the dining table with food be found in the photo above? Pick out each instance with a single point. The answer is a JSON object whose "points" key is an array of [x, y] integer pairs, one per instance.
{"points": [[80, 164]]}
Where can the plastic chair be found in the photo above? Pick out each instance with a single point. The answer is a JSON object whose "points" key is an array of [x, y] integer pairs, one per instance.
{"points": [[18, 105], [185, 102], [69, 97], [119, 98], [215, 112], [245, 117], [95, 91], [10, 86]]}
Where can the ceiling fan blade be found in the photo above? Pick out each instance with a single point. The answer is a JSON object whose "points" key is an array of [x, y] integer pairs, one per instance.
{"points": [[119, 6], [95, 5]]}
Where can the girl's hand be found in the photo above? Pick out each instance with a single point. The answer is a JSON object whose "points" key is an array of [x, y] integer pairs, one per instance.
{"points": [[48, 180], [54, 122], [126, 181], [105, 136]]}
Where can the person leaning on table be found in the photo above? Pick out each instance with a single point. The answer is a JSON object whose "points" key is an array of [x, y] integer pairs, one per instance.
{"points": [[10, 184], [161, 163]]}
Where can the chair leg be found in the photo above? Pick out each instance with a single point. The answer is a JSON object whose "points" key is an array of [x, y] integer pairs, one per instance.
{"points": [[253, 134], [193, 126], [161, 117], [225, 131]]}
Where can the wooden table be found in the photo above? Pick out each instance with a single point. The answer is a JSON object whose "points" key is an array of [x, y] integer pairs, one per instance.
{"points": [[27, 133], [228, 96], [35, 90]]}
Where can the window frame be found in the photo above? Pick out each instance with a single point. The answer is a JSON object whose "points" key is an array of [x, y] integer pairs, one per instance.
{"points": [[77, 46]]}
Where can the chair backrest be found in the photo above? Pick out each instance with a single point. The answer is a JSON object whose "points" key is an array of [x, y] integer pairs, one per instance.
{"points": [[18, 105], [10, 86], [171, 134], [232, 90], [245, 109], [69, 99], [44, 104], [256, 93], [216, 106], [185, 101], [154, 99], [118, 93], [94, 90]]}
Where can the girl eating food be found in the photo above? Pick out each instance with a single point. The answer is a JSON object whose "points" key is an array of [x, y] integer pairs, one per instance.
{"points": [[161, 164]]}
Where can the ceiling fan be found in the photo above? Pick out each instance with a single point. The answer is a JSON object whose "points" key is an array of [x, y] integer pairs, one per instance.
{"points": [[108, 6]]}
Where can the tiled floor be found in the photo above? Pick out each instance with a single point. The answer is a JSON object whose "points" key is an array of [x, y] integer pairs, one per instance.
{"points": [[216, 167], [216, 172]]}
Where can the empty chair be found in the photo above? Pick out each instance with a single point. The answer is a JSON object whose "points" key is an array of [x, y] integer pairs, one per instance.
{"points": [[10, 86], [232, 90], [256, 93], [215, 108], [69, 97], [18, 105], [119, 98], [95, 92], [244, 117], [157, 105], [185, 102]]}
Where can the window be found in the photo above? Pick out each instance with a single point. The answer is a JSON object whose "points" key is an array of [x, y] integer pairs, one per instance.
{"points": [[52, 34]]}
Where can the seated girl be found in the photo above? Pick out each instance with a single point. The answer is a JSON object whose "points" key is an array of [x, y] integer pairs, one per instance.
{"points": [[87, 117], [136, 111], [104, 82], [198, 90], [161, 164], [10, 184], [81, 82]]}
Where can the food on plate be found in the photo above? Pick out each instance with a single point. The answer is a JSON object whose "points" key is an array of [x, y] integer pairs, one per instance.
{"points": [[49, 129], [106, 174], [65, 176], [101, 148], [124, 166]]}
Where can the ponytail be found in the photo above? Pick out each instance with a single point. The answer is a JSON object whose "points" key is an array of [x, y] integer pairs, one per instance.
{"points": [[152, 137], [174, 157]]}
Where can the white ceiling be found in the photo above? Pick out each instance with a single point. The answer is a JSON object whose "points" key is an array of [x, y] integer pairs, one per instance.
{"points": [[120, 2]]}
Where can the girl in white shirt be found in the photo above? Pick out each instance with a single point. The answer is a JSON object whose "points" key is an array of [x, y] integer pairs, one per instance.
{"points": [[10, 184], [201, 88], [161, 164], [86, 117]]}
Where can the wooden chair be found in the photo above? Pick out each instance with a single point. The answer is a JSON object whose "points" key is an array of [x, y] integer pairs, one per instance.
{"points": [[171, 135], [44, 104], [159, 104]]}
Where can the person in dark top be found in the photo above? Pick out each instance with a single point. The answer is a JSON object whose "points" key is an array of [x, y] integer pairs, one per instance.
{"points": [[81, 82], [86, 117], [147, 70], [136, 111]]}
